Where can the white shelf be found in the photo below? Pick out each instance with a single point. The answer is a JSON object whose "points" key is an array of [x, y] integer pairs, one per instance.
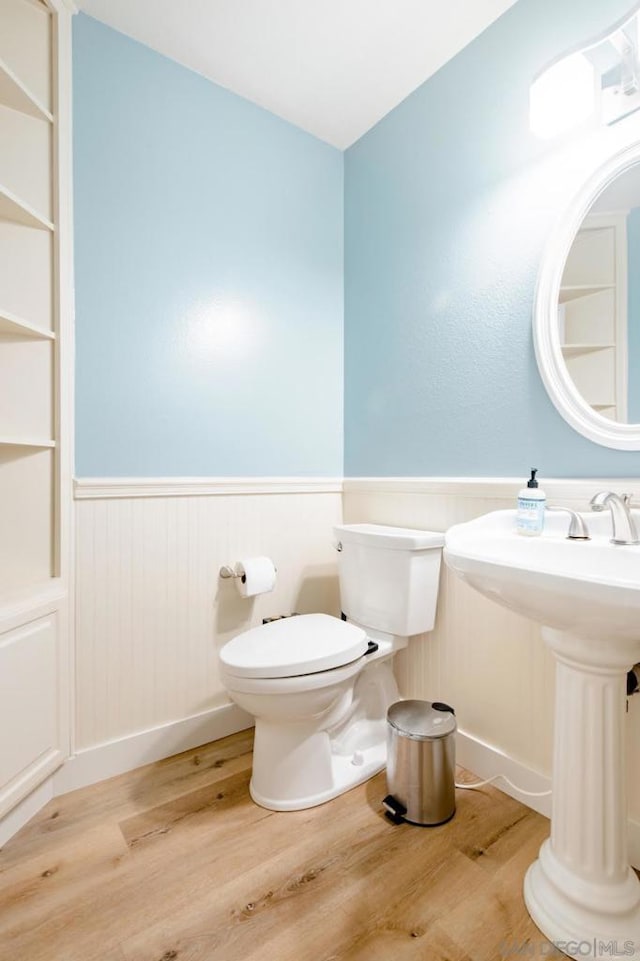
{"points": [[602, 406], [574, 292], [37, 443], [574, 350], [16, 326], [33, 600], [12, 208], [14, 94], [38, 4]]}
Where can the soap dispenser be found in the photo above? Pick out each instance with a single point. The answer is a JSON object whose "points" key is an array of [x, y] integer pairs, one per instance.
{"points": [[531, 505]]}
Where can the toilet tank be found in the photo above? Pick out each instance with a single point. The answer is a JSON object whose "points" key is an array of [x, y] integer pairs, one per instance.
{"points": [[389, 576]]}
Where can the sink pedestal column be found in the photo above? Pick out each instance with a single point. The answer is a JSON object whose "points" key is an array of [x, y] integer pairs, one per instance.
{"points": [[581, 892]]}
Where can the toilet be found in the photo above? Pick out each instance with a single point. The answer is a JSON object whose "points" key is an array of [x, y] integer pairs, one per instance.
{"points": [[319, 687]]}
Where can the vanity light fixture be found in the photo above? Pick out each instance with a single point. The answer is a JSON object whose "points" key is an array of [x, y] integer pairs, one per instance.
{"points": [[602, 81]]}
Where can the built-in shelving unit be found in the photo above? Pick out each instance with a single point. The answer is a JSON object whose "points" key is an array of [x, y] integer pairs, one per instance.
{"points": [[14, 94], [577, 291], [592, 314], [13, 208], [35, 319], [37, 442], [17, 327], [27, 335], [575, 350]]}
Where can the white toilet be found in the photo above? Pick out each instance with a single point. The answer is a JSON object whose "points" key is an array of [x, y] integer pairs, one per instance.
{"points": [[317, 686]]}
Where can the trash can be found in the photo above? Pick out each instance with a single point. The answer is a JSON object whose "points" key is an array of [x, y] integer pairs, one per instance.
{"points": [[421, 759]]}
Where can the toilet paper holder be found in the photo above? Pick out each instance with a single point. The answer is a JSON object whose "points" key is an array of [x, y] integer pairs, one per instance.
{"points": [[226, 571]]}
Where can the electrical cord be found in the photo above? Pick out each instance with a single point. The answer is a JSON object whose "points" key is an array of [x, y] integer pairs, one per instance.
{"points": [[479, 784]]}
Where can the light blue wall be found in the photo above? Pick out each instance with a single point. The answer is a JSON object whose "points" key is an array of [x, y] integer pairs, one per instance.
{"points": [[448, 203], [633, 317], [209, 275]]}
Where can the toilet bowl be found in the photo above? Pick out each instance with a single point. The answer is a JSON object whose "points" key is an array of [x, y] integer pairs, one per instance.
{"points": [[319, 687], [318, 733]]}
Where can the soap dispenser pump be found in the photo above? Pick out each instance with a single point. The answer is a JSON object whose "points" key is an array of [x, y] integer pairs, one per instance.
{"points": [[531, 504]]}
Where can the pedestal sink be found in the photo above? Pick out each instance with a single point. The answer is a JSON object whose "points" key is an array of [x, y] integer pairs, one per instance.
{"points": [[581, 892]]}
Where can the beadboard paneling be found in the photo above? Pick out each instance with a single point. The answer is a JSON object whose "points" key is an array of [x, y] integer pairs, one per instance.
{"points": [[152, 611], [489, 663]]}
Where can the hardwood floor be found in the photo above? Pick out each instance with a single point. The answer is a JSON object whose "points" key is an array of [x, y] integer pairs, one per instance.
{"points": [[174, 862]]}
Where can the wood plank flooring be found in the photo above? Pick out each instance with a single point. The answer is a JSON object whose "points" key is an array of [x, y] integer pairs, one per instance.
{"points": [[174, 862]]}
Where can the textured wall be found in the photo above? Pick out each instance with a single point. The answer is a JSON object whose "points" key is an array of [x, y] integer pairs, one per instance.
{"points": [[208, 275], [448, 203]]}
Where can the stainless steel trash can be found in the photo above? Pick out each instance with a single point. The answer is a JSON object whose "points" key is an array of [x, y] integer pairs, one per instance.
{"points": [[421, 760]]}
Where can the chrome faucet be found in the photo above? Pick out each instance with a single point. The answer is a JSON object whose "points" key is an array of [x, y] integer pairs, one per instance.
{"points": [[624, 526]]}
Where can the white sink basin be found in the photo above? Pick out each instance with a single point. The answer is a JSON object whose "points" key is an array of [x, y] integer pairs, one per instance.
{"points": [[581, 892], [589, 588]]}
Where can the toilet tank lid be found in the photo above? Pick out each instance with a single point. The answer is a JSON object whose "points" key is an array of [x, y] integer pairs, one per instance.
{"points": [[305, 644], [388, 538]]}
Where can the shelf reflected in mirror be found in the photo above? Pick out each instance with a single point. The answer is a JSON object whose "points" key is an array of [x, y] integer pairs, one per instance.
{"points": [[599, 302]]}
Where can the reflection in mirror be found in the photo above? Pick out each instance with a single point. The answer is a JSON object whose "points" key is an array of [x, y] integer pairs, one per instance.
{"points": [[599, 302]]}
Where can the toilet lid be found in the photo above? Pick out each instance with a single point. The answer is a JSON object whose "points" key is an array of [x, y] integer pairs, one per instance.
{"points": [[303, 644]]}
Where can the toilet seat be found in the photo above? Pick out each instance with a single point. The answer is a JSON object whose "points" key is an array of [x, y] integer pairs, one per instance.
{"points": [[297, 684], [308, 644]]}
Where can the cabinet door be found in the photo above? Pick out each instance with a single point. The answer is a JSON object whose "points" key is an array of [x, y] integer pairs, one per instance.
{"points": [[30, 736]]}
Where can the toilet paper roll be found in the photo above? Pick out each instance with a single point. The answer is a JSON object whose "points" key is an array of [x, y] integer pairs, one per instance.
{"points": [[258, 576]]}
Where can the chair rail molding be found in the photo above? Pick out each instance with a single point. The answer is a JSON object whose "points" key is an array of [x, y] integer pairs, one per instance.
{"points": [[99, 488]]}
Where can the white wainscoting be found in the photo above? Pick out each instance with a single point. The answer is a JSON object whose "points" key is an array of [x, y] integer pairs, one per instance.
{"points": [[490, 664], [152, 612]]}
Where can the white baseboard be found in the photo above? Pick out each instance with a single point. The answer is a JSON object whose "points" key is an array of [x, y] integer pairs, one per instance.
{"points": [[486, 761], [633, 836], [124, 754], [22, 813]]}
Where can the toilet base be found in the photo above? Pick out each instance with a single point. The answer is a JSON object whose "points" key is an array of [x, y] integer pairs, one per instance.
{"points": [[309, 759], [345, 774]]}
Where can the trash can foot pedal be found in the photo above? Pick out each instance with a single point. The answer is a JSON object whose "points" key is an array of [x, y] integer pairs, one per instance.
{"points": [[393, 809]]}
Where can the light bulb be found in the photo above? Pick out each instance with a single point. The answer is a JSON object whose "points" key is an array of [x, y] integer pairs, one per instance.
{"points": [[563, 97]]}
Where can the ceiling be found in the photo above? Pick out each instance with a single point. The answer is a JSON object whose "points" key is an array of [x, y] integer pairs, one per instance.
{"points": [[332, 67]]}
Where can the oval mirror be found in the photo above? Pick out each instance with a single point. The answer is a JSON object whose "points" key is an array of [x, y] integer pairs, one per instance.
{"points": [[587, 310]]}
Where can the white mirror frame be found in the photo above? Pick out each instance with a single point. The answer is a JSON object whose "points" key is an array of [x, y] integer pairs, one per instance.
{"points": [[553, 370]]}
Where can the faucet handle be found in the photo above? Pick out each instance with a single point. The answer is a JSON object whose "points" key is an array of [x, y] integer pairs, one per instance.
{"points": [[626, 499], [578, 530]]}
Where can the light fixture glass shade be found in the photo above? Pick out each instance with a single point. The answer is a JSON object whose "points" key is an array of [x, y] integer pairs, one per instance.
{"points": [[602, 78], [563, 97]]}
